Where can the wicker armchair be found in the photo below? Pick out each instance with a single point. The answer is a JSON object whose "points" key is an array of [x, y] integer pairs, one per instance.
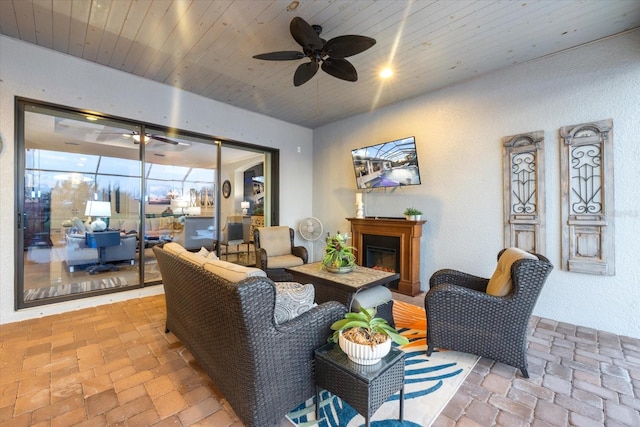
{"points": [[275, 252], [461, 316]]}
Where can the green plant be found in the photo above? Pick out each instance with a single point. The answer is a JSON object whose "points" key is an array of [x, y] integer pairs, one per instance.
{"points": [[365, 328], [412, 211], [337, 253]]}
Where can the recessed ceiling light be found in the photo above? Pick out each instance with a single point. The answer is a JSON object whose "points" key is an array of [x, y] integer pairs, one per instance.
{"points": [[386, 73], [293, 5]]}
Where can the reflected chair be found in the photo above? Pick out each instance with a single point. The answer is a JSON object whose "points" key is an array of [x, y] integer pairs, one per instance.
{"points": [[487, 317], [233, 235], [275, 251]]}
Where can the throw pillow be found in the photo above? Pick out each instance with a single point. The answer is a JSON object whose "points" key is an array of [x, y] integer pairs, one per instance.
{"points": [[205, 253], [79, 225], [500, 283], [292, 299]]}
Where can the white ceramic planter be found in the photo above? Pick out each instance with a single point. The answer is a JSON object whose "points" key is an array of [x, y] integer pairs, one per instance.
{"points": [[364, 354]]}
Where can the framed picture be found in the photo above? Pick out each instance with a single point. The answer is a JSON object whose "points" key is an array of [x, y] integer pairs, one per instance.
{"points": [[226, 189], [159, 194]]}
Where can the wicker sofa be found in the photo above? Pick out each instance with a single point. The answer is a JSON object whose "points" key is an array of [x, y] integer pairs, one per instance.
{"points": [[262, 368]]}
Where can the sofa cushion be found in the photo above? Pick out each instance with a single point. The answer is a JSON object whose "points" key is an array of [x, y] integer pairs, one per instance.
{"points": [[166, 223], [284, 261], [292, 299], [276, 241], [174, 248], [198, 260], [230, 271], [500, 283], [127, 225]]}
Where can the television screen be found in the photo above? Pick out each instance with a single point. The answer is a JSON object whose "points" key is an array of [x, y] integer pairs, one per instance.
{"points": [[390, 164]]}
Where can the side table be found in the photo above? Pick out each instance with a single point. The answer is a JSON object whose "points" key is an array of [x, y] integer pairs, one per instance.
{"points": [[100, 240], [364, 387]]}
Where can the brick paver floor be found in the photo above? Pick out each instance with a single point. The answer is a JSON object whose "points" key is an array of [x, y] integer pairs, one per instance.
{"points": [[114, 365]]}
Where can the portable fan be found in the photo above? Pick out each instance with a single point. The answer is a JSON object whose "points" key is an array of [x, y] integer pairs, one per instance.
{"points": [[310, 229]]}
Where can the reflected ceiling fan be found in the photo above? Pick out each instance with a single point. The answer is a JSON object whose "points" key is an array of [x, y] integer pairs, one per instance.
{"points": [[330, 53], [152, 141], [150, 137]]}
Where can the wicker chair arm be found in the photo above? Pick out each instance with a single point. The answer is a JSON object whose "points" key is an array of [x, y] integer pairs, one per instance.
{"points": [[454, 295], [261, 259], [458, 278], [301, 252]]}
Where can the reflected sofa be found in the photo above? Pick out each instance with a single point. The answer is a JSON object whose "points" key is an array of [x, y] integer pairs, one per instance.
{"points": [[78, 253]]}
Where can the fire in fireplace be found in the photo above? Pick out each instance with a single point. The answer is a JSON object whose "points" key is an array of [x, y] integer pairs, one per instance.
{"points": [[381, 258], [382, 253]]}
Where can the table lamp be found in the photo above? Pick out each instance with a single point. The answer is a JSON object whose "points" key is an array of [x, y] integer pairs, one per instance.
{"points": [[245, 207], [98, 210], [179, 204]]}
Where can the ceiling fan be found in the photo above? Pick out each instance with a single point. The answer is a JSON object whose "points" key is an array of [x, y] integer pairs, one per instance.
{"points": [[330, 53]]}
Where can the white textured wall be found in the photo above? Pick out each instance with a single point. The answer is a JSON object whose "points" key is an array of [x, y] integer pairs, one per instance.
{"points": [[33, 72], [458, 131]]}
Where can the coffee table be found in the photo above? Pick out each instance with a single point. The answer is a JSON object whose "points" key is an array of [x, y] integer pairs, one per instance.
{"points": [[339, 287], [364, 387]]}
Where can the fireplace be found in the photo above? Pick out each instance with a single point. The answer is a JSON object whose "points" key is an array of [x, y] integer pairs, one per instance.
{"points": [[390, 243], [382, 253]]}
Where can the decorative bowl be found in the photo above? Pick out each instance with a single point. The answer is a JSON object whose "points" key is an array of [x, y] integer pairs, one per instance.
{"points": [[331, 269]]}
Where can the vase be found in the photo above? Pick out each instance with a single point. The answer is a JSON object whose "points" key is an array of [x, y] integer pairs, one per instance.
{"points": [[364, 354]]}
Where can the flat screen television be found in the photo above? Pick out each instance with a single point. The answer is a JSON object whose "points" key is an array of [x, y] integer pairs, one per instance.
{"points": [[390, 164]]}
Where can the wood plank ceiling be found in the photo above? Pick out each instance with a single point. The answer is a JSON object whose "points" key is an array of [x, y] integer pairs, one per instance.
{"points": [[206, 47]]}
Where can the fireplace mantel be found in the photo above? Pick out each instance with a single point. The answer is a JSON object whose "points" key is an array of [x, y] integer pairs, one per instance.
{"points": [[409, 233]]}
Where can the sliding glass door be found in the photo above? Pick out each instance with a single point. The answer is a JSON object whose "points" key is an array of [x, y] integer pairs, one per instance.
{"points": [[80, 176], [95, 194], [180, 193]]}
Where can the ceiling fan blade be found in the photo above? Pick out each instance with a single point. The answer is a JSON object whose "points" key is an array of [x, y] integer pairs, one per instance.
{"points": [[340, 68], [285, 55], [305, 35], [162, 139], [305, 72], [344, 46]]}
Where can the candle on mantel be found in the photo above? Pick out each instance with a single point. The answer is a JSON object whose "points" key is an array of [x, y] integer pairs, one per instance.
{"points": [[358, 198]]}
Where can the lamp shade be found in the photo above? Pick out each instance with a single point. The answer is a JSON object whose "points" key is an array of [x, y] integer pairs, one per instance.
{"points": [[179, 203], [98, 209], [244, 205]]}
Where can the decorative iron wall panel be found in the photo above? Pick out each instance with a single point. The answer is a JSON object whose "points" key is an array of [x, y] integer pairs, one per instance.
{"points": [[587, 198], [524, 207]]}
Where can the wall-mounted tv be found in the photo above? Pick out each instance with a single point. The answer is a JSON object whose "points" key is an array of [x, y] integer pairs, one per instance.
{"points": [[390, 164]]}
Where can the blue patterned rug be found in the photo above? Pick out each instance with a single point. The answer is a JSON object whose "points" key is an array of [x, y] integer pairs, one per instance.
{"points": [[430, 382]]}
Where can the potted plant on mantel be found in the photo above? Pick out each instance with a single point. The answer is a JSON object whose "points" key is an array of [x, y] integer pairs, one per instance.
{"points": [[412, 214], [338, 256], [364, 337]]}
